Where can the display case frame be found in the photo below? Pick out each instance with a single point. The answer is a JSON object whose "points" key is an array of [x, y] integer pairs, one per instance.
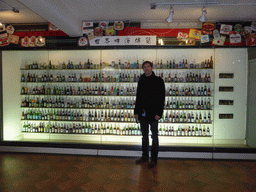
{"points": [[137, 147]]}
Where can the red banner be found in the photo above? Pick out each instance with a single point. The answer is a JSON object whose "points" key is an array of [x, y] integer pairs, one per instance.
{"points": [[137, 31]]}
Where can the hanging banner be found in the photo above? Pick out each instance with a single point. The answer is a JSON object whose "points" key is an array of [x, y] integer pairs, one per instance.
{"points": [[123, 40]]}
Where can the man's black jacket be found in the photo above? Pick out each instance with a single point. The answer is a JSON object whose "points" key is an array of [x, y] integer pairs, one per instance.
{"points": [[150, 96]]}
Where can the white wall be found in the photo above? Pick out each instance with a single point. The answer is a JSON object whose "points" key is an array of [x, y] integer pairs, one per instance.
{"points": [[251, 128], [12, 62], [231, 61]]}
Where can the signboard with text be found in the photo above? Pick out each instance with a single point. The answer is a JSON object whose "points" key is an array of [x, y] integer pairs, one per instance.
{"points": [[123, 40]]}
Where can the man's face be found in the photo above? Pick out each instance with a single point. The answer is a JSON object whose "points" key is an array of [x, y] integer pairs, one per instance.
{"points": [[147, 69]]}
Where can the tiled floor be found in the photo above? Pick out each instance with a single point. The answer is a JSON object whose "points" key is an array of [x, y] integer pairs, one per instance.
{"points": [[50, 173]]}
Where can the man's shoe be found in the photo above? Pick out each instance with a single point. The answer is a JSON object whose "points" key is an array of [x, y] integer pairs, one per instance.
{"points": [[152, 164], [142, 160]]}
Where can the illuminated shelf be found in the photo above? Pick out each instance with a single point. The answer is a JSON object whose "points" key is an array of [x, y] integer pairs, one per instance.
{"points": [[112, 108], [106, 121]]}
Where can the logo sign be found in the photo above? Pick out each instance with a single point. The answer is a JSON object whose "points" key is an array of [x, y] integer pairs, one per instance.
{"points": [[182, 36], [205, 38], [234, 37], [225, 29]]}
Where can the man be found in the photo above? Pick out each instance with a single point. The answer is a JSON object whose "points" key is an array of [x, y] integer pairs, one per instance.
{"points": [[148, 110]]}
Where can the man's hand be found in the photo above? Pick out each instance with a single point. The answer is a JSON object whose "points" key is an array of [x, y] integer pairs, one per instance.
{"points": [[157, 117]]}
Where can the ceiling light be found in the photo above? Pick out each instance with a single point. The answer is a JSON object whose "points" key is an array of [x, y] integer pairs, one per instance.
{"points": [[169, 18], [203, 17]]}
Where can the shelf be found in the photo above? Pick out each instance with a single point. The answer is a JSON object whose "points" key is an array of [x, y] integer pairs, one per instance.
{"points": [[111, 108], [116, 82], [107, 121], [81, 95], [111, 69], [106, 95], [79, 82], [79, 134]]}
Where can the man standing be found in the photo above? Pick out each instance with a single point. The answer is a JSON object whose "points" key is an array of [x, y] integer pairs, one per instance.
{"points": [[148, 110]]}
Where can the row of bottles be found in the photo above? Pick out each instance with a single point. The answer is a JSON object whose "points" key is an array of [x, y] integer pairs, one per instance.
{"points": [[70, 65], [184, 131], [89, 64], [189, 91], [54, 102], [192, 77], [172, 64], [72, 90], [96, 77], [185, 117], [188, 104], [128, 103], [169, 64], [121, 77], [111, 116], [77, 115], [111, 90], [106, 129], [85, 128]]}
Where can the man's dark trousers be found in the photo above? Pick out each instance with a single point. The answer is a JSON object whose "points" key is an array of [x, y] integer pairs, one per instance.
{"points": [[144, 123]]}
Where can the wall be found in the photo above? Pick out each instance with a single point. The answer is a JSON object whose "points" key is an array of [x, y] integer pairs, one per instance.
{"points": [[231, 61], [251, 110]]}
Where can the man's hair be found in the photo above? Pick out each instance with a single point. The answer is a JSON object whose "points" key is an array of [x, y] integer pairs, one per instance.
{"points": [[147, 62]]}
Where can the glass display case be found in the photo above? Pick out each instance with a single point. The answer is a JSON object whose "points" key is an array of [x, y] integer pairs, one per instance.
{"points": [[88, 96]]}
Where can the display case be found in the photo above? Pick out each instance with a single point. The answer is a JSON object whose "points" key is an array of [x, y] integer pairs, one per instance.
{"points": [[88, 96]]}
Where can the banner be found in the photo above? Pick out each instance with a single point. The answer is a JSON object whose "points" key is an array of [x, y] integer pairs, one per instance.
{"points": [[123, 40]]}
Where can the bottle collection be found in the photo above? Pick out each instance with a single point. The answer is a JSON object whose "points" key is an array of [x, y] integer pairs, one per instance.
{"points": [[184, 131], [110, 116], [104, 77], [77, 115], [92, 77], [188, 91], [85, 102], [106, 103], [72, 90], [81, 114], [169, 64], [188, 104], [106, 129], [185, 117], [85, 128]]}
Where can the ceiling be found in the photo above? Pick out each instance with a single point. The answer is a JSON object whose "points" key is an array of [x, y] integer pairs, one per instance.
{"points": [[68, 15]]}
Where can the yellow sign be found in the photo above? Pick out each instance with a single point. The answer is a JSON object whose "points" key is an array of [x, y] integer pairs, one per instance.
{"points": [[195, 33]]}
